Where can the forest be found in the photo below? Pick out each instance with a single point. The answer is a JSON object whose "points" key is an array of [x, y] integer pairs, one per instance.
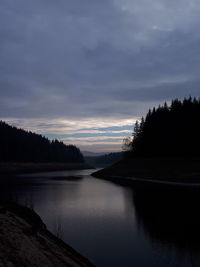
{"points": [[18, 145], [168, 131]]}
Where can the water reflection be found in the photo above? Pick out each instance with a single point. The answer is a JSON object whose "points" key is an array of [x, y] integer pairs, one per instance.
{"points": [[111, 224], [171, 218]]}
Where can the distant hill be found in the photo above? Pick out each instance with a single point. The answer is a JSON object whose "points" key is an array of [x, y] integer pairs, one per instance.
{"points": [[110, 158], [18, 145], [104, 160], [92, 154]]}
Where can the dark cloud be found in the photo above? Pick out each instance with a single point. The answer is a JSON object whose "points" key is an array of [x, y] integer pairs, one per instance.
{"points": [[98, 58]]}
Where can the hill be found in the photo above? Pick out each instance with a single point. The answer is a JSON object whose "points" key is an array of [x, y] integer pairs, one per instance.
{"points": [[166, 146], [18, 145], [92, 154], [104, 160]]}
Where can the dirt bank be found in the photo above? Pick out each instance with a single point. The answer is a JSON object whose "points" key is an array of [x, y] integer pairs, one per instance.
{"points": [[25, 241]]}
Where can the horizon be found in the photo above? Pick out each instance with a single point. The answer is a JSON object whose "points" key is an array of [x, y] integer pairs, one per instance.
{"points": [[84, 73]]}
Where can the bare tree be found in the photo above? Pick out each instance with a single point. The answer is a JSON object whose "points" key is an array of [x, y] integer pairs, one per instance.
{"points": [[127, 144]]}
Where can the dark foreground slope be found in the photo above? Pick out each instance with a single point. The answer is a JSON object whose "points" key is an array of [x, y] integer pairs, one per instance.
{"points": [[25, 241]]}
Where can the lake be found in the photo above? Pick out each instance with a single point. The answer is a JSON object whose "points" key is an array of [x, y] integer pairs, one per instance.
{"points": [[114, 225]]}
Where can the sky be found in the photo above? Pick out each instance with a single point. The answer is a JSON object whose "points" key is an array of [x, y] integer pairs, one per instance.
{"points": [[85, 71]]}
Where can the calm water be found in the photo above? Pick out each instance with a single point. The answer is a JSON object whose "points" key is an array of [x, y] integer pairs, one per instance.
{"points": [[114, 225]]}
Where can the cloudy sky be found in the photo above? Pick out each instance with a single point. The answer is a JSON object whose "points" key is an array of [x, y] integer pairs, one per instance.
{"points": [[84, 71]]}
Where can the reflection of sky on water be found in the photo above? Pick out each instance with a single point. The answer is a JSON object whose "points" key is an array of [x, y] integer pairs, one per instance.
{"points": [[114, 225]]}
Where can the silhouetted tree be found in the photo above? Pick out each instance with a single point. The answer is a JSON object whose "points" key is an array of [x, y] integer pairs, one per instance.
{"points": [[172, 130], [136, 129]]}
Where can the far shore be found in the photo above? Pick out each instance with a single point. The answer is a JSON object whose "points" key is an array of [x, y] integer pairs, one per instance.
{"points": [[30, 167]]}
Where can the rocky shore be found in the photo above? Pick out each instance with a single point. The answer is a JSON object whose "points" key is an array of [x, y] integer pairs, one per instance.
{"points": [[25, 241]]}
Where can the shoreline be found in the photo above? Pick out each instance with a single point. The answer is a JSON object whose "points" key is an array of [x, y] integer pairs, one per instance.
{"points": [[144, 181], [154, 172], [12, 168]]}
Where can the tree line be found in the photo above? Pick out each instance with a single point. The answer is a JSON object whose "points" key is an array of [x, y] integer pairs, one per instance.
{"points": [[168, 131], [18, 145]]}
